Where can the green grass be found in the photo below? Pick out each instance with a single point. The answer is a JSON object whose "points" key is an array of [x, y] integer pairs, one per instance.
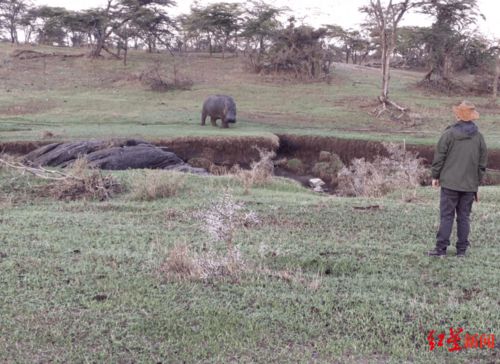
{"points": [[84, 98], [361, 288], [354, 287]]}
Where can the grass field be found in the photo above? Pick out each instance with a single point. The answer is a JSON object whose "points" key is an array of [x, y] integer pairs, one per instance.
{"points": [[81, 98], [324, 283], [326, 280]]}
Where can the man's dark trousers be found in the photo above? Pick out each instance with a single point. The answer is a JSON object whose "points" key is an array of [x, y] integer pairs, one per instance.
{"points": [[461, 203]]}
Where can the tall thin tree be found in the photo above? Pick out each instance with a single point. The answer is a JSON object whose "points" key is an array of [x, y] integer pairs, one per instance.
{"points": [[384, 21]]}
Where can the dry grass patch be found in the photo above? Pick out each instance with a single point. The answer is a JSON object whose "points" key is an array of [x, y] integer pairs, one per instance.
{"points": [[328, 166], [78, 182], [84, 182], [401, 170], [182, 263], [220, 257], [260, 172], [155, 184], [156, 79]]}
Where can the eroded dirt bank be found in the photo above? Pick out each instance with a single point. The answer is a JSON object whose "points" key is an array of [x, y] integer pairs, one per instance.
{"points": [[228, 151]]}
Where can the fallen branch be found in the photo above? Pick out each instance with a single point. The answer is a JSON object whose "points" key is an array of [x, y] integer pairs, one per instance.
{"points": [[112, 53], [28, 54], [40, 171], [82, 183]]}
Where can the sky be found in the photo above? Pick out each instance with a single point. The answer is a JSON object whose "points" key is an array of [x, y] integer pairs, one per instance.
{"points": [[318, 12]]}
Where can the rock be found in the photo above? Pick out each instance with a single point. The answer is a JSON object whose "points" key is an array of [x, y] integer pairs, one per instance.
{"points": [[110, 155], [56, 154], [134, 157], [317, 184]]}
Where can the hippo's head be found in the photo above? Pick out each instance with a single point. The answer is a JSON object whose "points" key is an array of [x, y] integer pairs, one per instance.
{"points": [[231, 117]]}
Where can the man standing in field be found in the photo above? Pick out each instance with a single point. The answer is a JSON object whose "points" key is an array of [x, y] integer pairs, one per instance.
{"points": [[458, 167]]}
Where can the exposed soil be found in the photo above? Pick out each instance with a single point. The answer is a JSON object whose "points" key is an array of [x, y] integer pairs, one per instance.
{"points": [[229, 151], [22, 147], [225, 151]]}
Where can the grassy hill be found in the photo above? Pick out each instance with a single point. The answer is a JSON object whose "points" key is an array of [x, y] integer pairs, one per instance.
{"points": [[82, 98], [325, 279]]}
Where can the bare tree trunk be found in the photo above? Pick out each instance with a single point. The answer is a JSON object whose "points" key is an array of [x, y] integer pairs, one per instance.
{"points": [[387, 21], [261, 49], [27, 36], [496, 75], [13, 35], [99, 46], [386, 64], [446, 67], [428, 75], [125, 55]]}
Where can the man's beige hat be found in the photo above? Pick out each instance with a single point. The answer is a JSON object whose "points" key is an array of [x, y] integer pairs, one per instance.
{"points": [[466, 112]]}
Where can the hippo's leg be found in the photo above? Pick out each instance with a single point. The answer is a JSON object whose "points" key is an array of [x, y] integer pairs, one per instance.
{"points": [[203, 117], [213, 121], [225, 125]]}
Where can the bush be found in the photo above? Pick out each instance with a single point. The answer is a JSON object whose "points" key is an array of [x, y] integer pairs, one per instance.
{"points": [[221, 221], [156, 184], [295, 165], [200, 163], [85, 182], [156, 79], [325, 156], [401, 170], [260, 173], [328, 167]]}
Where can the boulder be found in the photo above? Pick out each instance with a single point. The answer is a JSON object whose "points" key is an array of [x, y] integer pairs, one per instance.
{"points": [[109, 155], [317, 184]]}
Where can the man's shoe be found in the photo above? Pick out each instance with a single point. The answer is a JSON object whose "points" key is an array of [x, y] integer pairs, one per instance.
{"points": [[461, 254], [437, 253]]}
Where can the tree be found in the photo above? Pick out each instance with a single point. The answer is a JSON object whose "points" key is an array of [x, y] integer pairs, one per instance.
{"points": [[355, 44], [217, 22], [495, 51], [77, 26], [11, 16], [496, 76], [49, 24], [412, 47], [152, 25], [384, 21], [261, 22], [299, 51], [117, 14], [452, 19]]}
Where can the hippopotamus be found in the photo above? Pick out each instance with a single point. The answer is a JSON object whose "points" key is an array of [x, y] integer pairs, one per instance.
{"points": [[219, 107]]}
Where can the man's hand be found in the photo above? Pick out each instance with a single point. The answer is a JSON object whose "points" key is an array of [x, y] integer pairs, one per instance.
{"points": [[476, 196], [435, 183]]}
